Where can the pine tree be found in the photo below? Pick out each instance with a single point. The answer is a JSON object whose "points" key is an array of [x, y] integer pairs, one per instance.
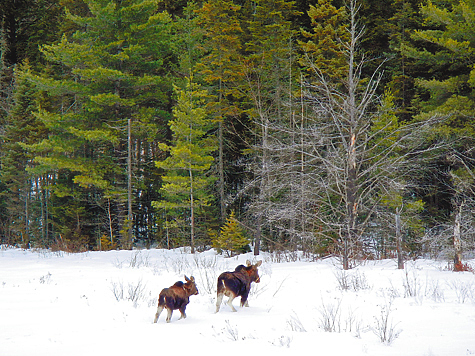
{"points": [[403, 69], [186, 185], [106, 99], [448, 51]]}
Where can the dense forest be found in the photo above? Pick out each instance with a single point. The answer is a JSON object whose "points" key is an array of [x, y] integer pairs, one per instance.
{"points": [[333, 127]]}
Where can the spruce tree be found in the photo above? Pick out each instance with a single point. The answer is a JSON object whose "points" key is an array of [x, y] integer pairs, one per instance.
{"points": [[270, 73], [186, 183], [231, 237], [324, 44]]}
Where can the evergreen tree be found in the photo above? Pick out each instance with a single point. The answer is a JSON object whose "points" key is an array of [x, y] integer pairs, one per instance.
{"points": [[28, 24], [447, 49], [324, 44], [186, 183], [106, 95], [221, 69], [25, 205], [231, 237], [403, 69]]}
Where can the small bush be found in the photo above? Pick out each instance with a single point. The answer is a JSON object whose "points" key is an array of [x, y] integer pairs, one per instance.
{"points": [[107, 244], [330, 320], [295, 324], [133, 292], [352, 281], [384, 329], [75, 245]]}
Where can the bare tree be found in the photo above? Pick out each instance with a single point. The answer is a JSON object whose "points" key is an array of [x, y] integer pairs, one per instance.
{"points": [[327, 158], [463, 203], [355, 149]]}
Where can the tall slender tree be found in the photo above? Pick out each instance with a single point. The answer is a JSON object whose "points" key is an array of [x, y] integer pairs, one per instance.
{"points": [[220, 67], [186, 185]]}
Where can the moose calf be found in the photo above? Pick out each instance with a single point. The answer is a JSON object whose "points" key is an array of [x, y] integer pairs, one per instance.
{"points": [[176, 297], [237, 283]]}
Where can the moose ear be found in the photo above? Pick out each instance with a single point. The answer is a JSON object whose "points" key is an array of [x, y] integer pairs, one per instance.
{"points": [[248, 263], [187, 279], [258, 264], [192, 279]]}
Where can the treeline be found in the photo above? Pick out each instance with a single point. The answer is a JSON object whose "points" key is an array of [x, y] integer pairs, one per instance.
{"points": [[333, 127]]}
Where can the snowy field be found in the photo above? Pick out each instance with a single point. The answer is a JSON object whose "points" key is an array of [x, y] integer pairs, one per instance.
{"points": [[103, 303]]}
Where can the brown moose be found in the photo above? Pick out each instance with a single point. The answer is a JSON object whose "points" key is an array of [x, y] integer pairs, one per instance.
{"points": [[176, 297], [237, 284]]}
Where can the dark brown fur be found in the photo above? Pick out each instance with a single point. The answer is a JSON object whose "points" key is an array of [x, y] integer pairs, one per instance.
{"points": [[237, 284], [176, 297]]}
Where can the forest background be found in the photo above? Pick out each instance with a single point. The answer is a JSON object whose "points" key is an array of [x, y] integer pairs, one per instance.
{"points": [[331, 127]]}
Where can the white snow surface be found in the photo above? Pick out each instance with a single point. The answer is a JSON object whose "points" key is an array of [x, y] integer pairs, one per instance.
{"points": [[103, 303]]}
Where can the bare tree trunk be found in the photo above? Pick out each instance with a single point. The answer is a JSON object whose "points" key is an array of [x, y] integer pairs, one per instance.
{"points": [[263, 186], [192, 213], [109, 214], [400, 260], [457, 237], [129, 183], [351, 183]]}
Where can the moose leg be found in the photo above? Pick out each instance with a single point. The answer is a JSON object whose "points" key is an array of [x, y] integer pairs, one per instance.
{"points": [[183, 314], [169, 315], [230, 302], [219, 299], [244, 302], [157, 314]]}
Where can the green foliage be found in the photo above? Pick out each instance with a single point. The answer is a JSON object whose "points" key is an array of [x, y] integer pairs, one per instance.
{"points": [[108, 74], [106, 243], [21, 128], [450, 35], [186, 183], [189, 155], [385, 126], [243, 139], [27, 25], [324, 48], [230, 237], [221, 64]]}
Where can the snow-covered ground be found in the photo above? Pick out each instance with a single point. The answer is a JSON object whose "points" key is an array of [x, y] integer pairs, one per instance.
{"points": [[103, 303]]}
